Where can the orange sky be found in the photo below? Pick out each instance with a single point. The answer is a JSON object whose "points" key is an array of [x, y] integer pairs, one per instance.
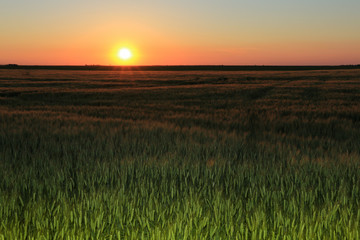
{"points": [[228, 32]]}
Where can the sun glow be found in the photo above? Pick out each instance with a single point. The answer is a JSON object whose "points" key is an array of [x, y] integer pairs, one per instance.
{"points": [[124, 54]]}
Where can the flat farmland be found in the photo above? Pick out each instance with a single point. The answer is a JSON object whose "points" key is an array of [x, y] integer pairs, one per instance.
{"points": [[179, 154]]}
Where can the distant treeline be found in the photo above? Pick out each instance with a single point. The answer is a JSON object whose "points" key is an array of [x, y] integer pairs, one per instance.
{"points": [[181, 67]]}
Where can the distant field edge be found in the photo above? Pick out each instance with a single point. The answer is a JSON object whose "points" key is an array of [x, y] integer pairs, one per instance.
{"points": [[179, 67]]}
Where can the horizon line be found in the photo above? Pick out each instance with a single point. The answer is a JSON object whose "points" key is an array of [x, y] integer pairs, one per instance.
{"points": [[175, 65], [181, 67]]}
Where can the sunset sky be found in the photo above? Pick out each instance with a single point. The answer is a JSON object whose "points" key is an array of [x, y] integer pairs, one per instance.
{"points": [[194, 32]]}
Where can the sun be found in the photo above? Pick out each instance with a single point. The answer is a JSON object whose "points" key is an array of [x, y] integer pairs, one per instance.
{"points": [[124, 54]]}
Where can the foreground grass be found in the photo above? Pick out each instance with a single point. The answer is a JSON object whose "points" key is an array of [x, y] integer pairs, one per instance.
{"points": [[104, 155], [133, 201]]}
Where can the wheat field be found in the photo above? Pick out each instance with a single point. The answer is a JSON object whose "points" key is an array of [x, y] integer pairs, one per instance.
{"points": [[179, 154]]}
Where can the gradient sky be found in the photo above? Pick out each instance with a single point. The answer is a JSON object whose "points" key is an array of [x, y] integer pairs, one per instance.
{"points": [[229, 32]]}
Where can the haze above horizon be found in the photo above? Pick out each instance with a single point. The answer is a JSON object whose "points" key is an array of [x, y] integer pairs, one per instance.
{"points": [[161, 32]]}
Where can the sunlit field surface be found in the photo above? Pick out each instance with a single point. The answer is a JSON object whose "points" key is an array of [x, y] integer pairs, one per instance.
{"points": [[179, 155]]}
